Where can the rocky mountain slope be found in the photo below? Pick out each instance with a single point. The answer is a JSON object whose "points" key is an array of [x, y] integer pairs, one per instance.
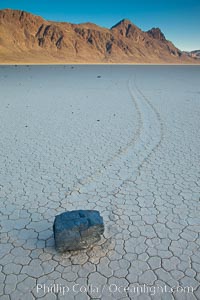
{"points": [[195, 54], [26, 38]]}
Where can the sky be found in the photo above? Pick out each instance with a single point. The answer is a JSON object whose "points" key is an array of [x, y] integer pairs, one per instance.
{"points": [[178, 19]]}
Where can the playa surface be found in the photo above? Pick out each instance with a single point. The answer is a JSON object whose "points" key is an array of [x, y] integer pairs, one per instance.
{"points": [[123, 140]]}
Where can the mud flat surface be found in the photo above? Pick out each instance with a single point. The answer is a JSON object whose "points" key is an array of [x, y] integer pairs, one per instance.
{"points": [[123, 140]]}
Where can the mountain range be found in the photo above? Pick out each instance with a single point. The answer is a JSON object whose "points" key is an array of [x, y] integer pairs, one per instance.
{"points": [[194, 54], [27, 38]]}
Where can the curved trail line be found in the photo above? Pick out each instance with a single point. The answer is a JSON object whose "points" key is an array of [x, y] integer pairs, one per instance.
{"points": [[116, 155], [129, 161], [149, 138], [157, 115]]}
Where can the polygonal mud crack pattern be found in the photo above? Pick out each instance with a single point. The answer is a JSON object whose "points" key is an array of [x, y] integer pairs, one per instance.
{"points": [[144, 182]]}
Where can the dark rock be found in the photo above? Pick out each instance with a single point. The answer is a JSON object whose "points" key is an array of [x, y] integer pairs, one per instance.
{"points": [[78, 229]]}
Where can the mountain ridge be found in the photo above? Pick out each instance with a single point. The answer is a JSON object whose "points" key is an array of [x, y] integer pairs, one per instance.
{"points": [[27, 38]]}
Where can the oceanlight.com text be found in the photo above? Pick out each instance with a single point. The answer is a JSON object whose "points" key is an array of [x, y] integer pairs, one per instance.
{"points": [[112, 289]]}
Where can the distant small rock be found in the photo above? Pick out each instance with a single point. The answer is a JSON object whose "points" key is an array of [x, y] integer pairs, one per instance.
{"points": [[98, 76]]}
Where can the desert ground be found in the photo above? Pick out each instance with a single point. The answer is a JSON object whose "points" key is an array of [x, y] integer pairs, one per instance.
{"points": [[123, 140]]}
